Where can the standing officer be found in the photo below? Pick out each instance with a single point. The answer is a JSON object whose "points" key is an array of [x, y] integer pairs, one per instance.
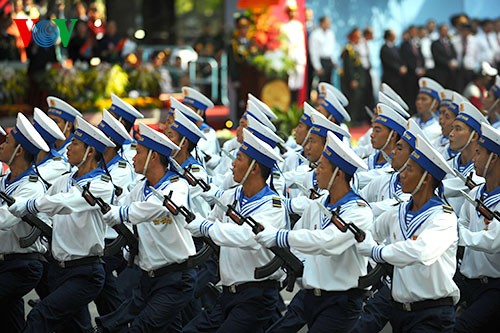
{"points": [[77, 275], [246, 304], [423, 245], [332, 265], [167, 283], [20, 268]]}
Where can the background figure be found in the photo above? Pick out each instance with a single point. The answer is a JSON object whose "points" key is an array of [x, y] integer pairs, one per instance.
{"points": [[467, 55], [354, 78], [413, 59], [363, 48], [445, 59], [393, 69], [296, 47], [321, 47]]}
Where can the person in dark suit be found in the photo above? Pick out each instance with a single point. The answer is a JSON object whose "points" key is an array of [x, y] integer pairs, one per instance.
{"points": [[393, 69], [413, 59], [445, 59]]}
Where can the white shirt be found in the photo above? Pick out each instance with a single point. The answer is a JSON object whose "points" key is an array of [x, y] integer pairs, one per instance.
{"points": [[162, 238], [26, 186], [482, 252], [431, 128], [331, 259], [423, 251], [365, 148], [53, 167], [321, 45], [240, 254], [78, 228]]}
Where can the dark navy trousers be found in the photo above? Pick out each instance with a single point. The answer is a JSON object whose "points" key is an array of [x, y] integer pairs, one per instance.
{"points": [[17, 278], [438, 319], [248, 311], [377, 312], [293, 319], [65, 308]]}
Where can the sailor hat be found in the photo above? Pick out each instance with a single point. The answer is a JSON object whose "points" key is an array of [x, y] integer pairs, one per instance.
{"points": [[339, 154], [46, 127], [430, 159], [27, 136], [124, 110], [60, 108], [155, 140], [113, 128], [196, 99], [187, 128], [259, 150]]}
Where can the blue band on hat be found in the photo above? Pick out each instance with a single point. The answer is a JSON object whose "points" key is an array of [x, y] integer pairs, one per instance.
{"points": [[496, 90], [388, 122], [184, 131], [333, 111], [109, 131], [193, 120], [427, 165], [154, 145], [450, 105], [61, 114], [473, 123], [122, 113], [49, 138], [489, 144], [257, 155], [24, 141], [428, 91], [323, 131], [409, 138], [337, 160], [306, 120], [89, 140], [264, 138], [195, 103]]}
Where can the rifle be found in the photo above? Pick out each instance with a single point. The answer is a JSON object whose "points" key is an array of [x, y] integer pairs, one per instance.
{"points": [[42, 228], [207, 249], [369, 112], [191, 179], [125, 236], [282, 256], [468, 181], [228, 154], [374, 275], [481, 207], [342, 225]]}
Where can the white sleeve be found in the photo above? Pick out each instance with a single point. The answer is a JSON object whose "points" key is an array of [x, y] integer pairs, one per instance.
{"points": [[72, 201], [25, 191], [314, 45], [438, 236], [484, 240], [381, 228]]}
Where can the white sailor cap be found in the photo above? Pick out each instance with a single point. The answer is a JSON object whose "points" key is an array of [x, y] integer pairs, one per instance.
{"points": [[392, 94], [490, 138], [188, 112], [341, 155], [487, 69], [124, 110], [46, 127], [259, 150], [2, 131], [196, 99], [471, 116], [430, 159], [412, 132], [262, 107], [255, 111], [91, 135], [331, 103], [383, 98], [187, 128], [262, 132], [113, 128], [306, 116], [60, 108], [390, 118], [26, 135], [496, 87], [321, 126], [323, 87], [429, 87], [451, 99], [155, 140]]}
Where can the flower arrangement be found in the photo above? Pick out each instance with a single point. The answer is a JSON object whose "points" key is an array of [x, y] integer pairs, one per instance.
{"points": [[265, 48]]}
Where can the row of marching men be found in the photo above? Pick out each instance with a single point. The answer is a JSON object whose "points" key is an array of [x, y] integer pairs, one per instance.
{"points": [[322, 183]]}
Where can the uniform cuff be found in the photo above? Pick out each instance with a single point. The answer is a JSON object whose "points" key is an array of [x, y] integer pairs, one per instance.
{"points": [[282, 238], [205, 227], [124, 214], [31, 206], [377, 254]]}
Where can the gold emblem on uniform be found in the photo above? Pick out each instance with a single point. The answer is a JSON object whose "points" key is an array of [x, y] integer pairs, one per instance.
{"points": [[486, 224], [414, 237], [52, 102]]}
